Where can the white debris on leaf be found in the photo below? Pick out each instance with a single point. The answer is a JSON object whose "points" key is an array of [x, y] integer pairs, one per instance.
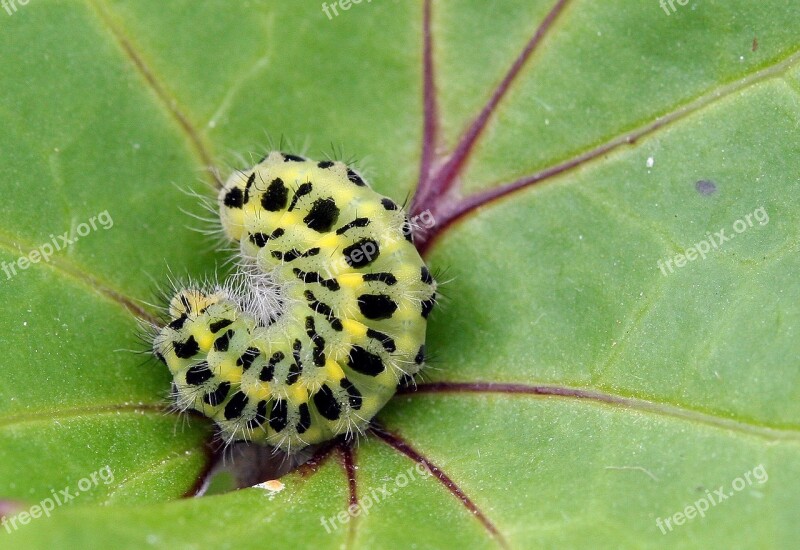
{"points": [[273, 485]]}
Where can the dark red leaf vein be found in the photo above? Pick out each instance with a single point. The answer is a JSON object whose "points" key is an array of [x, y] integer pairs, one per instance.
{"points": [[664, 409], [348, 463], [402, 446], [429, 104], [434, 187], [448, 210]]}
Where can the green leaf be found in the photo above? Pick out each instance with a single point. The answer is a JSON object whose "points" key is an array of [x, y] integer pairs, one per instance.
{"points": [[580, 393]]}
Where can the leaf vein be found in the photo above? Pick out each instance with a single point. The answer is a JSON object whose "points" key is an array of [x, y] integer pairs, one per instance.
{"points": [[791, 434]]}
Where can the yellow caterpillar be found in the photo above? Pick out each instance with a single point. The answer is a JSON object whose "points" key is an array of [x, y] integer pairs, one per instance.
{"points": [[326, 316]]}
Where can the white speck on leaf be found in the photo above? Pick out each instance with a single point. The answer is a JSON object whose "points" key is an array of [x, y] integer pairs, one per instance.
{"points": [[273, 486]]}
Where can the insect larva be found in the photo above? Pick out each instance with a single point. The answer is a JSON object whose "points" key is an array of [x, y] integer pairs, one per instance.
{"points": [[325, 318]]}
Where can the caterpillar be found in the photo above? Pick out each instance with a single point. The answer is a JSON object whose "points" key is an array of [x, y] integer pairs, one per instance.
{"points": [[324, 319]]}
